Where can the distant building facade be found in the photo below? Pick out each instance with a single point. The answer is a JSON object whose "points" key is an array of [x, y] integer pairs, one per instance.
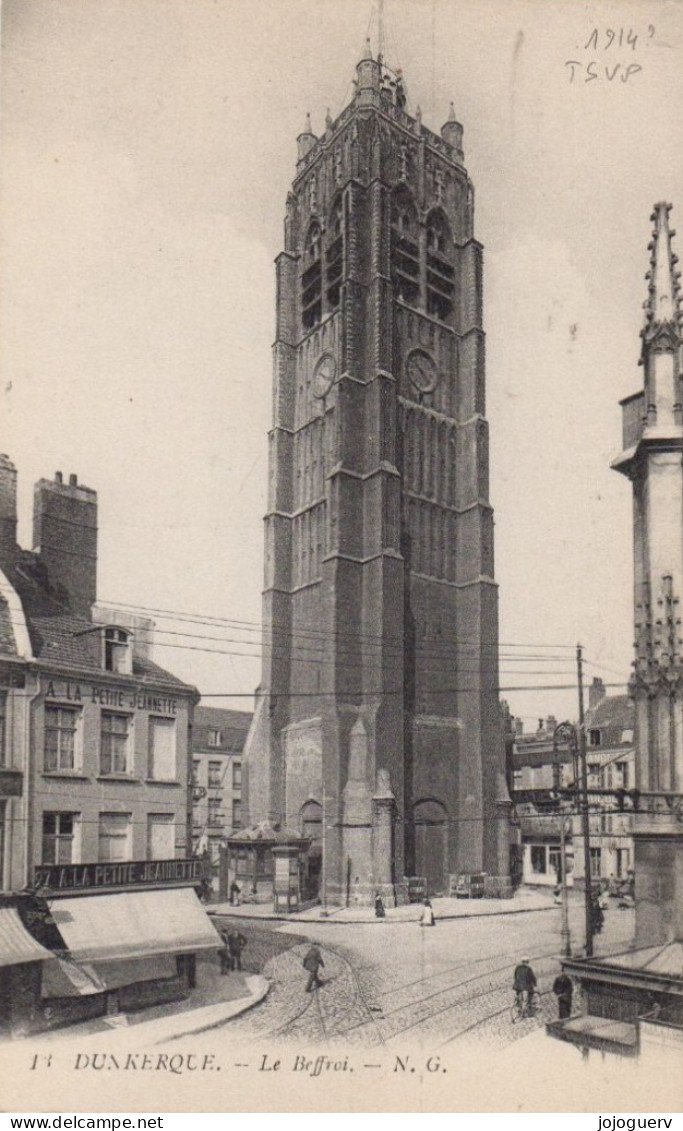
{"points": [[94, 782], [610, 761], [378, 715], [218, 738], [539, 767]]}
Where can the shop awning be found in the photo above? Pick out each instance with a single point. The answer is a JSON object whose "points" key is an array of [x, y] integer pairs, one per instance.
{"points": [[16, 945], [98, 928], [602, 1033], [62, 978]]}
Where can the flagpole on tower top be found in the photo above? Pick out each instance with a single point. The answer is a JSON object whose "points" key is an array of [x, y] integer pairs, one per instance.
{"points": [[381, 48]]}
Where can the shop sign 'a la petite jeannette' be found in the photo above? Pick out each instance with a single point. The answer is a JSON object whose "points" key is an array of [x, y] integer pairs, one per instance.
{"points": [[132, 873]]}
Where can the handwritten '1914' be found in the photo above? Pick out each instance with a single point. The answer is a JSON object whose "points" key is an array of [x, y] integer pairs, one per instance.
{"points": [[602, 39]]}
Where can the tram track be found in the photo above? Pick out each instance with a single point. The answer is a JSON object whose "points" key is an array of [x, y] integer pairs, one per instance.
{"points": [[442, 991], [315, 1002]]}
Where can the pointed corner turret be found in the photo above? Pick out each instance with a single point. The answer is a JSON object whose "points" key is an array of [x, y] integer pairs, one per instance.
{"points": [[654, 415], [451, 132], [662, 306], [368, 74], [306, 140]]}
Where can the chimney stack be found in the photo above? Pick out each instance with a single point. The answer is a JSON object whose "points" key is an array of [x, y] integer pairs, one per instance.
{"points": [[596, 692], [65, 538], [8, 510]]}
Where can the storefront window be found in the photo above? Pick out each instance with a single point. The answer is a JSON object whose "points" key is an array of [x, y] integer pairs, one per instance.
{"points": [[538, 859], [160, 836], [596, 862], [61, 729], [115, 837], [162, 751], [59, 833], [114, 743], [555, 862]]}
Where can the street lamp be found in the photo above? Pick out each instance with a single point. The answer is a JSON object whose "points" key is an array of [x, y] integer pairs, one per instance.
{"points": [[563, 733]]}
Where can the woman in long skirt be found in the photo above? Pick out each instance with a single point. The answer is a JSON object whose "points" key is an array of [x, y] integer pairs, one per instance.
{"points": [[427, 919]]}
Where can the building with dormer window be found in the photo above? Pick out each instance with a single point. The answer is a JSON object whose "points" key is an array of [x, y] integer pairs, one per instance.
{"points": [[95, 800]]}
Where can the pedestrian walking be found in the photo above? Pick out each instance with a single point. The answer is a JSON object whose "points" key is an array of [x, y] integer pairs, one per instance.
{"points": [[524, 985], [563, 988], [597, 916], [236, 944], [235, 890], [380, 913], [224, 953], [427, 917], [312, 963]]}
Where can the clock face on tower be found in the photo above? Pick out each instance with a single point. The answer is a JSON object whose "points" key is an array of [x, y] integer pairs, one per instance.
{"points": [[324, 375], [422, 371]]}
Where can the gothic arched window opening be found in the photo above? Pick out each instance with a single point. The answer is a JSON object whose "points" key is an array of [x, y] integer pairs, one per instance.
{"points": [[440, 274], [405, 250], [334, 255], [311, 280]]}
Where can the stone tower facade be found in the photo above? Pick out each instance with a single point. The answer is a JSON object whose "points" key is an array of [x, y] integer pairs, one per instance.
{"points": [[653, 460], [378, 726]]}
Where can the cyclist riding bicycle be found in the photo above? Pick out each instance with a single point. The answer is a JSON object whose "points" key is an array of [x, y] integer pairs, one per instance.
{"points": [[524, 985]]}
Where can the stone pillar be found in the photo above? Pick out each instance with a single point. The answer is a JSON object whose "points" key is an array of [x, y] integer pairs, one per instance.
{"points": [[357, 820], [383, 808]]}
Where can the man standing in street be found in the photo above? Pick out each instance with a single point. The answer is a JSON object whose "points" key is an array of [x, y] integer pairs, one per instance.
{"points": [[224, 953], [524, 983], [236, 944], [563, 988], [312, 962]]}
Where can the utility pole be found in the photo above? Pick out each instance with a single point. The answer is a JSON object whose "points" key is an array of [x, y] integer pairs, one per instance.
{"points": [[323, 868], [564, 732], [585, 818]]}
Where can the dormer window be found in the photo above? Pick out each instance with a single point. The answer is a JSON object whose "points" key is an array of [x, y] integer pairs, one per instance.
{"points": [[118, 651]]}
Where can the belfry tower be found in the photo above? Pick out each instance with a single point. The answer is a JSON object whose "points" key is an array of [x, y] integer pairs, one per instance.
{"points": [[378, 725], [653, 460]]}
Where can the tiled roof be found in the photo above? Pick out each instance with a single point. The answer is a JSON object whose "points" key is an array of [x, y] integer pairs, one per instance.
{"points": [[612, 716], [233, 727], [60, 637], [7, 642]]}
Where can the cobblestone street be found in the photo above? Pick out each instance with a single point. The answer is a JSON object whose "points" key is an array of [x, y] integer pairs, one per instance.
{"points": [[388, 983]]}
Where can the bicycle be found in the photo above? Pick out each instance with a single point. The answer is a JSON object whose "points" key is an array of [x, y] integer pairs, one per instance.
{"points": [[521, 1009]]}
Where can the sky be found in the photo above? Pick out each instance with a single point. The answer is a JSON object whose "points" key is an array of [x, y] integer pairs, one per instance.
{"points": [[146, 149]]}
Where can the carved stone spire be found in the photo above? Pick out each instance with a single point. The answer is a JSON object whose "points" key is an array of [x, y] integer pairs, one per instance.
{"points": [[662, 308]]}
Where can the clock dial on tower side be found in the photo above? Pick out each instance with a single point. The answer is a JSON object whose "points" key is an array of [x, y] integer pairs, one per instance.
{"points": [[422, 371], [323, 375]]}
